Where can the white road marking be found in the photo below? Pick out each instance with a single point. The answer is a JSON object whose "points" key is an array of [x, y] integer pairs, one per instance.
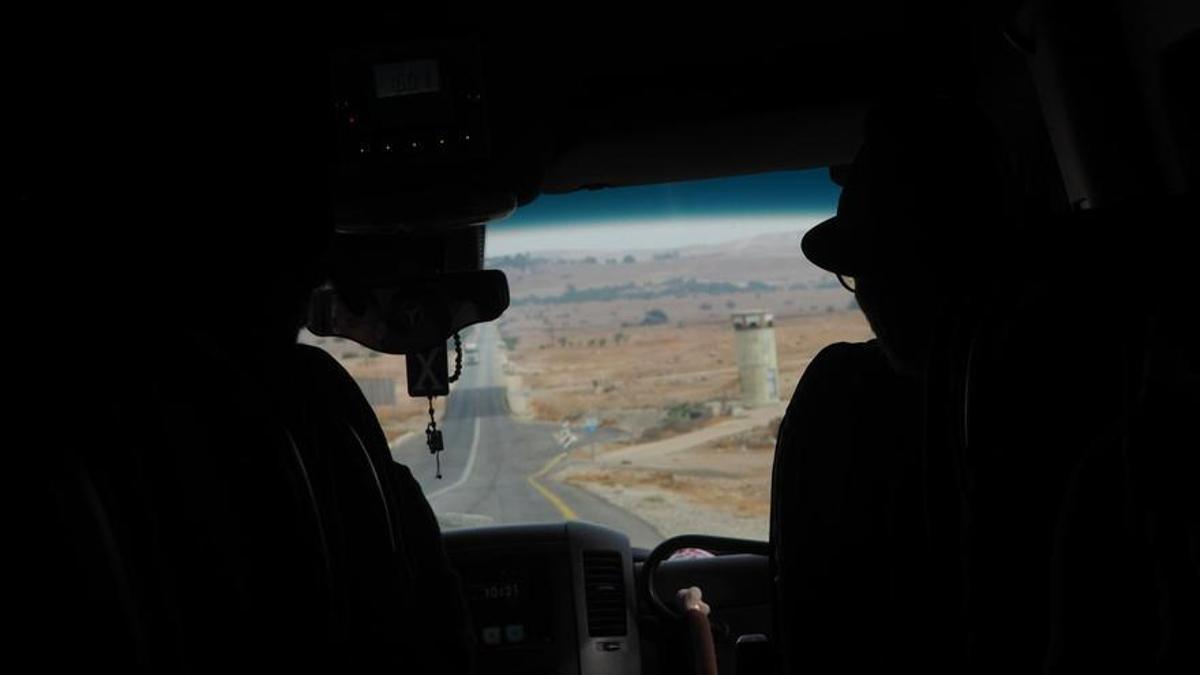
{"points": [[466, 472]]}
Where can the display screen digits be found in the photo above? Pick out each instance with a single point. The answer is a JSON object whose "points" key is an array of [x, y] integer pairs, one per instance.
{"points": [[407, 78]]}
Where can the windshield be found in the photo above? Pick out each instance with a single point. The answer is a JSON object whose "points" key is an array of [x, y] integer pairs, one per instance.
{"points": [[639, 377]]}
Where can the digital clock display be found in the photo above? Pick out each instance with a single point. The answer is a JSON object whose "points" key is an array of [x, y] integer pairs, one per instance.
{"points": [[502, 591], [507, 587], [407, 78], [510, 602]]}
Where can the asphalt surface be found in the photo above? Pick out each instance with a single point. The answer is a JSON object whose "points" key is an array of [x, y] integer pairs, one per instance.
{"points": [[497, 469]]}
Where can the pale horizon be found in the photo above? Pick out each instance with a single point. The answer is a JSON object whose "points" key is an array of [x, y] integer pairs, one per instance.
{"points": [[642, 235]]}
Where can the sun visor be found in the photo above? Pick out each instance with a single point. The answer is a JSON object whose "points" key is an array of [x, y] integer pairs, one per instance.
{"points": [[420, 315]]}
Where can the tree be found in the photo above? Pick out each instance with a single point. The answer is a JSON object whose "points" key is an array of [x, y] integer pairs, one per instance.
{"points": [[628, 259], [655, 317]]}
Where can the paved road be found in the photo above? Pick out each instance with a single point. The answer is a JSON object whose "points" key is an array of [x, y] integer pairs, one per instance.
{"points": [[495, 469]]}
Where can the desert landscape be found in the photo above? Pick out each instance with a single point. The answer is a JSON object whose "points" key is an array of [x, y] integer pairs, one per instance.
{"points": [[633, 353], [643, 346], [685, 456]]}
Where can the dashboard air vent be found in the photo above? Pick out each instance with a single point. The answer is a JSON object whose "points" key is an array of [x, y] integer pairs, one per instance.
{"points": [[604, 590]]}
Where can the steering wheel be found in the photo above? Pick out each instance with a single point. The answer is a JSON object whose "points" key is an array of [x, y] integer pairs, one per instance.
{"points": [[662, 552], [704, 655]]}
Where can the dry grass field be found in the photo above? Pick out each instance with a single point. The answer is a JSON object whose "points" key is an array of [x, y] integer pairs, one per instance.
{"points": [[717, 486], [597, 371]]}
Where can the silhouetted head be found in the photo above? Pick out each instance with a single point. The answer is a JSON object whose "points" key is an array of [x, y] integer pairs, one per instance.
{"points": [[919, 222]]}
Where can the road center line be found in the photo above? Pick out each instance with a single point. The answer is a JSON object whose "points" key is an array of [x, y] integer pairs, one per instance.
{"points": [[466, 472], [567, 512]]}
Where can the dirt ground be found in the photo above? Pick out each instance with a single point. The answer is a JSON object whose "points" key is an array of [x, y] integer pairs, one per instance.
{"points": [[598, 372], [711, 476], [720, 487]]}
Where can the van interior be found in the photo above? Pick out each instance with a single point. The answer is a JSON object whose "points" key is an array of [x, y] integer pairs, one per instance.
{"points": [[229, 222]]}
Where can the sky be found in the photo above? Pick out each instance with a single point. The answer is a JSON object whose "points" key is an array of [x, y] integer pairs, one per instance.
{"points": [[667, 216]]}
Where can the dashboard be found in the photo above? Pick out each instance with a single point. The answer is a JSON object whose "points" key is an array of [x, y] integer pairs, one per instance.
{"points": [[554, 598]]}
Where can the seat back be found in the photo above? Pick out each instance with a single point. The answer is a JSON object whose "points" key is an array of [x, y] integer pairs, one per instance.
{"points": [[403, 601], [1059, 572], [1125, 571], [846, 517], [207, 516]]}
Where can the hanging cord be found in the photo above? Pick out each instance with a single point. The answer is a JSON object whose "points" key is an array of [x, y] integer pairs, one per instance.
{"points": [[433, 435], [433, 438]]}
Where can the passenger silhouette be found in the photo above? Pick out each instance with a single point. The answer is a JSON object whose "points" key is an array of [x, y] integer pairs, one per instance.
{"points": [[186, 266], [916, 235], [864, 524]]}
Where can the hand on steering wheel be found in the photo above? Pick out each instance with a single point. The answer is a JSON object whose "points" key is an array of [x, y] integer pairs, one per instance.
{"points": [[692, 598], [695, 614], [690, 606]]}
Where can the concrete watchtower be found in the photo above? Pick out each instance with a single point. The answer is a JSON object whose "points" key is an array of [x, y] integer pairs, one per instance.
{"points": [[758, 365]]}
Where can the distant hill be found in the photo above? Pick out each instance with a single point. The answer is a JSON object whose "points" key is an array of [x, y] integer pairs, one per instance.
{"points": [[783, 244], [770, 243], [760, 263]]}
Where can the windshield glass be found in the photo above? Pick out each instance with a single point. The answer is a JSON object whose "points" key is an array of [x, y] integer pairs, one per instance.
{"points": [[639, 377]]}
